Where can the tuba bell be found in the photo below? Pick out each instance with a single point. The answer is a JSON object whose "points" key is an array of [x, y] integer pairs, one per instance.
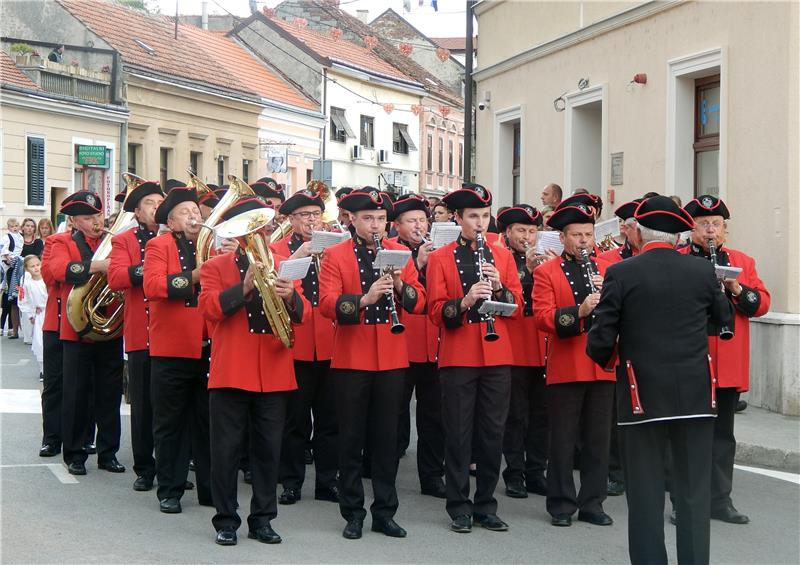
{"points": [[237, 188], [244, 228], [87, 303]]}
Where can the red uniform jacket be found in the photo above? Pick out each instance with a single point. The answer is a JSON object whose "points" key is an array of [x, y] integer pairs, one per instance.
{"points": [[462, 342], [616, 255], [358, 345], [52, 311], [241, 357], [527, 342], [731, 358], [314, 337], [556, 313], [69, 269], [126, 273], [176, 324]]}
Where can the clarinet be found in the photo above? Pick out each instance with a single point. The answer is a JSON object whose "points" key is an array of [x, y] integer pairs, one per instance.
{"points": [[397, 326], [725, 332], [491, 335], [587, 263]]}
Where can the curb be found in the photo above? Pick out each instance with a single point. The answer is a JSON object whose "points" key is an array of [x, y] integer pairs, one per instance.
{"points": [[773, 458]]}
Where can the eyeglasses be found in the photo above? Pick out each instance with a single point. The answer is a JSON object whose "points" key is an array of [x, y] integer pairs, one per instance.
{"points": [[715, 224], [307, 215]]}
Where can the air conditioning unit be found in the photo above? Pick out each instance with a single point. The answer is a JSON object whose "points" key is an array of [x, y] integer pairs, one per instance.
{"points": [[357, 153], [383, 156]]}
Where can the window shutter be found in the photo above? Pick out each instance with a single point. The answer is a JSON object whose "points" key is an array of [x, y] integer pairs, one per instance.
{"points": [[36, 171]]}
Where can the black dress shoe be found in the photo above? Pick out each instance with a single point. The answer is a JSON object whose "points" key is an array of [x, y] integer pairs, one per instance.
{"points": [[112, 466], [461, 524], [264, 534], [730, 515], [741, 406], [490, 522], [673, 518], [388, 527], [226, 537], [142, 484], [308, 457], [170, 506], [248, 477], [473, 470], [596, 518], [434, 488], [561, 520], [49, 450], [353, 529], [331, 494], [90, 448], [615, 488], [515, 489], [289, 496], [537, 485], [191, 464], [76, 468], [188, 485]]}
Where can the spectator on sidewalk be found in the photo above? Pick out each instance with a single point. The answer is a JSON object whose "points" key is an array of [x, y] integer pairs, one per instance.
{"points": [[551, 195], [10, 250], [32, 302]]}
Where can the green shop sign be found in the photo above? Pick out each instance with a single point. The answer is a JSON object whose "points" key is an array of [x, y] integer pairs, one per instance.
{"points": [[92, 155]]}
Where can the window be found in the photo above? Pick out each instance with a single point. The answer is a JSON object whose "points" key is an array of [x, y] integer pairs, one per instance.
{"points": [[441, 154], [340, 129], [461, 160], [706, 135], [450, 157], [196, 162], [309, 174], [368, 132], [515, 165], [133, 158], [245, 170], [36, 171], [430, 152], [164, 165], [222, 168], [401, 141]]}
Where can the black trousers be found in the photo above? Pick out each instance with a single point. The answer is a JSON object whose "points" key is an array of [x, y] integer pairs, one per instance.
{"points": [[315, 395], [473, 398], [424, 378], [368, 405], [52, 387], [615, 472], [643, 449], [526, 435], [724, 448], [144, 464], [578, 411], [179, 393], [232, 411], [92, 372]]}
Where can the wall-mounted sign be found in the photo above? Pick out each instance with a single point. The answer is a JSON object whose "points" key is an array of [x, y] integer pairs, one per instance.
{"points": [[616, 169], [277, 158], [92, 155]]}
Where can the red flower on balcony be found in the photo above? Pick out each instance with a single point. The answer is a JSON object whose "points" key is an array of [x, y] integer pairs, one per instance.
{"points": [[371, 41], [75, 63], [388, 107], [406, 49], [443, 54], [336, 33], [105, 69]]}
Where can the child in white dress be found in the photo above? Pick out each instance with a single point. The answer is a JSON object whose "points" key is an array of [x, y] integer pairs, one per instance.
{"points": [[32, 303]]}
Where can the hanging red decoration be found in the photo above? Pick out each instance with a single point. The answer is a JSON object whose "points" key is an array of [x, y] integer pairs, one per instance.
{"points": [[336, 34], [406, 49], [301, 23], [443, 54], [416, 109], [371, 41], [388, 107], [268, 12], [444, 111]]}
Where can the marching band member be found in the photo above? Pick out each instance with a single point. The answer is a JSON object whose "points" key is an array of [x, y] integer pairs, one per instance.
{"points": [[273, 194], [251, 374], [90, 368], [178, 351], [579, 394], [312, 360], [525, 438], [475, 374], [731, 358], [411, 222], [368, 360], [126, 274]]}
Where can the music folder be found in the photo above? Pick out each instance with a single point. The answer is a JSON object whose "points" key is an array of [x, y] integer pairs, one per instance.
{"points": [[321, 240], [294, 269], [727, 273], [395, 258], [492, 308]]}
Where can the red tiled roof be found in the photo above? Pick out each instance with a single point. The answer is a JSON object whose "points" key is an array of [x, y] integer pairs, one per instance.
{"points": [[454, 43], [341, 51], [10, 74]]}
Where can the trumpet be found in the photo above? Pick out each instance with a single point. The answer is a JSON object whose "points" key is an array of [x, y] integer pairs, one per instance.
{"points": [[725, 332], [491, 334], [590, 272], [397, 326]]}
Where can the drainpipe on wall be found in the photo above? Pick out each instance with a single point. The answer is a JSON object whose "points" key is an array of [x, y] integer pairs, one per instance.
{"points": [[123, 155], [468, 135]]}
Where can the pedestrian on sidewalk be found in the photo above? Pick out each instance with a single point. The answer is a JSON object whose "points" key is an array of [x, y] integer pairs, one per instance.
{"points": [[32, 302]]}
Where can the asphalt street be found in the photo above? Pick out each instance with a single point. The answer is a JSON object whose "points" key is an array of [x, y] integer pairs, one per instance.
{"points": [[48, 516]]}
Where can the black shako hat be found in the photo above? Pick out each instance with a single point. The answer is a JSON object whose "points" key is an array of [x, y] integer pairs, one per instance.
{"points": [[299, 199], [591, 200], [707, 205], [470, 195], [174, 197], [409, 202], [145, 189], [519, 214], [245, 204], [82, 203], [367, 198], [626, 210], [577, 214], [342, 192], [120, 197], [267, 187], [662, 214]]}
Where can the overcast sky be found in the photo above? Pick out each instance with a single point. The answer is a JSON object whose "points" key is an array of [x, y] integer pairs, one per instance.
{"points": [[449, 21]]}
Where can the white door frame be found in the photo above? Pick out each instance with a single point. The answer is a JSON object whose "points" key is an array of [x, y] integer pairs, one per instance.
{"points": [[501, 118], [589, 95]]}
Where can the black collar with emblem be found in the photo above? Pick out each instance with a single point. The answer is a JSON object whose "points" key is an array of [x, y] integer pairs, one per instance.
{"points": [[180, 285], [467, 263], [136, 272], [311, 281], [526, 279], [577, 276], [377, 313]]}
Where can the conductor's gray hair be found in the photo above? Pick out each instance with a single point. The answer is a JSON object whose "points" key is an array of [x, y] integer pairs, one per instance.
{"points": [[649, 234]]}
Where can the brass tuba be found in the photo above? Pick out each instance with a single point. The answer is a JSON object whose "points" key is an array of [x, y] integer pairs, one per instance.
{"points": [[237, 188], [244, 227], [86, 303]]}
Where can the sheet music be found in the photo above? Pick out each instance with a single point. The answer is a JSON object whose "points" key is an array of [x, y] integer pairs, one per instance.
{"points": [[444, 233], [608, 227], [549, 241], [497, 308], [396, 258], [727, 273], [321, 240], [294, 269]]}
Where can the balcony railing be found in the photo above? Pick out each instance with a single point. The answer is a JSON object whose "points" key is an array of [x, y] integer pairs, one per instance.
{"points": [[67, 80]]}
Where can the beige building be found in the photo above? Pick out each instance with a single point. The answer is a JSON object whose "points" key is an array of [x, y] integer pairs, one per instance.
{"points": [[681, 98]]}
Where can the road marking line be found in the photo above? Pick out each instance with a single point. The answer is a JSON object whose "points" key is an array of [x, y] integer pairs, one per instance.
{"points": [[781, 475], [29, 401], [20, 363], [57, 469]]}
